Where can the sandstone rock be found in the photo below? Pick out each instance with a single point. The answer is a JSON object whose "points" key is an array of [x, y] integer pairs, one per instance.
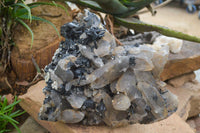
{"points": [[184, 96], [33, 99], [186, 61], [195, 123], [180, 80], [192, 124], [188, 92], [9, 97], [195, 98], [195, 105], [31, 126]]}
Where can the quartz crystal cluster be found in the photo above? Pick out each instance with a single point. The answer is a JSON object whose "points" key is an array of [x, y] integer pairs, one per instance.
{"points": [[92, 80]]}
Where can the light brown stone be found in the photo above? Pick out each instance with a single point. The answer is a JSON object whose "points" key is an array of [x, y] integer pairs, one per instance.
{"points": [[195, 98], [180, 80], [31, 126], [195, 105], [184, 96], [195, 123], [188, 95], [10, 98], [33, 99], [191, 123], [186, 61]]}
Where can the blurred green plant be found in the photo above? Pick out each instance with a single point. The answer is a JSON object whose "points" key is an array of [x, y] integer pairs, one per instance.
{"points": [[7, 114], [12, 13], [122, 10]]}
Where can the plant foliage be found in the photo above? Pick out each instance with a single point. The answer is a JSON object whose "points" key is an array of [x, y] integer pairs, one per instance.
{"points": [[7, 114], [122, 10], [12, 13]]}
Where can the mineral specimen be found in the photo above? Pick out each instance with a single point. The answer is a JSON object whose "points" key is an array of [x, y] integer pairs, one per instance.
{"points": [[91, 80]]}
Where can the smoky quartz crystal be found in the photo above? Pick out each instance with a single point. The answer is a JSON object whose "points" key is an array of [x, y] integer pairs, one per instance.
{"points": [[93, 81]]}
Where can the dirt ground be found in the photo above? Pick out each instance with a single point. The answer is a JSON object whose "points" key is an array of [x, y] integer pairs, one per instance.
{"points": [[175, 16]]}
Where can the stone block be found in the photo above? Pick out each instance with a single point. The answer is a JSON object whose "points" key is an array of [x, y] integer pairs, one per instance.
{"points": [[186, 61], [33, 99]]}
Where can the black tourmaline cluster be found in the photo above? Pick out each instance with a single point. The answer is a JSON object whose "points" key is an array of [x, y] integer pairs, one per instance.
{"points": [[91, 80]]}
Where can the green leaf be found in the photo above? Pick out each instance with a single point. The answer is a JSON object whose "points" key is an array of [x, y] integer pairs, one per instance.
{"points": [[3, 105], [23, 11], [135, 6], [136, 3], [0, 31], [14, 113], [16, 127], [27, 8], [10, 119], [3, 131], [17, 113], [140, 26], [28, 28], [114, 7], [13, 104], [87, 3], [8, 111], [4, 123], [54, 3], [43, 20], [6, 117]]}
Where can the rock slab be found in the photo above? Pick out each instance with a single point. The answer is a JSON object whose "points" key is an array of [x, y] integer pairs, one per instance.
{"points": [[31, 126], [33, 99], [188, 91], [186, 61]]}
